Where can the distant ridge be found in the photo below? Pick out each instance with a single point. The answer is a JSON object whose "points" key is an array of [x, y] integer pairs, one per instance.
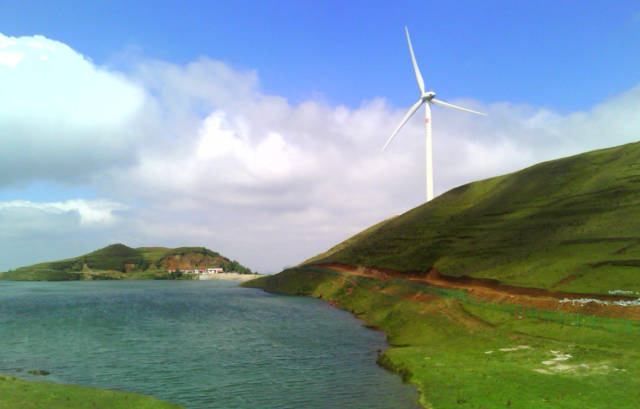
{"points": [[570, 224], [118, 261]]}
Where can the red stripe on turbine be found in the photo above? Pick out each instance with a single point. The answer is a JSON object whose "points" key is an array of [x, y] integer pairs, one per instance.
{"points": [[426, 120]]}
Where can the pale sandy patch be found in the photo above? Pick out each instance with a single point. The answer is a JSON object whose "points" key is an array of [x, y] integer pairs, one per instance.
{"points": [[558, 365], [515, 348], [229, 276]]}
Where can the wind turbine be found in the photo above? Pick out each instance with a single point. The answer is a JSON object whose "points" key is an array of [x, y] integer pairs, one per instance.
{"points": [[426, 98]]}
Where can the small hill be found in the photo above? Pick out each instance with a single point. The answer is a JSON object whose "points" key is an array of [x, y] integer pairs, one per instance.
{"points": [[571, 224], [118, 261]]}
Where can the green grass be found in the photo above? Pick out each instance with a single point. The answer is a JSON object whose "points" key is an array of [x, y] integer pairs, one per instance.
{"points": [[20, 394], [577, 217], [442, 341], [117, 262]]}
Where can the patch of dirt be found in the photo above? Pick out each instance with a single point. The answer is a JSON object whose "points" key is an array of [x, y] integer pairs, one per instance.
{"points": [[473, 319], [557, 365], [191, 260], [461, 316], [493, 290], [517, 348], [565, 280], [423, 297], [624, 249]]}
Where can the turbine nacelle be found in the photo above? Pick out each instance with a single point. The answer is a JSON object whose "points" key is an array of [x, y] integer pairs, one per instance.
{"points": [[427, 96]]}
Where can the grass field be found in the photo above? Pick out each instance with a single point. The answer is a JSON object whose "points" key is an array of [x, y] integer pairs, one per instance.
{"points": [[20, 394], [571, 224], [472, 355]]}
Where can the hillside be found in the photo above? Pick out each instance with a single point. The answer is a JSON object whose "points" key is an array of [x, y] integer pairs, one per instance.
{"points": [[118, 261], [571, 224], [481, 292]]}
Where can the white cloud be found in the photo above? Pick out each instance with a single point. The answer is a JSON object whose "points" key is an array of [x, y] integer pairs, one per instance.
{"points": [[88, 212], [214, 161], [10, 59], [33, 232], [35, 44], [276, 182], [6, 41], [62, 117]]}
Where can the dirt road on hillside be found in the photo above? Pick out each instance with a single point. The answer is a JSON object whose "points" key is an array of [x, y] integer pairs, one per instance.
{"points": [[493, 290]]}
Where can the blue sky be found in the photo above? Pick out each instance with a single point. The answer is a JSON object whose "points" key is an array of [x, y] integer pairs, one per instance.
{"points": [[566, 55], [243, 125]]}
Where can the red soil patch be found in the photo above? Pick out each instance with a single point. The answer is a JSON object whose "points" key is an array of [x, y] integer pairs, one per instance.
{"points": [[493, 290], [565, 280]]}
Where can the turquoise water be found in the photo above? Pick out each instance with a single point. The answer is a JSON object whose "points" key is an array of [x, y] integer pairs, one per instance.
{"points": [[201, 344]]}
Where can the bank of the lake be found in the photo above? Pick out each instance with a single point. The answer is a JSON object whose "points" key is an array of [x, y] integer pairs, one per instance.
{"points": [[20, 394], [229, 276], [199, 344], [463, 352]]}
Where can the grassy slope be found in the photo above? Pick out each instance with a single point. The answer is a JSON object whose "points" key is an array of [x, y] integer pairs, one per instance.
{"points": [[345, 245], [109, 263], [442, 344], [21, 394], [577, 217]]}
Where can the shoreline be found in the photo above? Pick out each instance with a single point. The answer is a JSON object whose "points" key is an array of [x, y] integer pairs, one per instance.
{"points": [[230, 276], [337, 302], [219, 276], [458, 350], [20, 393]]}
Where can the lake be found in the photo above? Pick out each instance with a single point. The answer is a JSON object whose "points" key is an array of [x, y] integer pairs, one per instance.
{"points": [[201, 344]]}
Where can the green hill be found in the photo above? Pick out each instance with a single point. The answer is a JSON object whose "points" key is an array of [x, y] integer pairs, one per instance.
{"points": [[118, 261], [571, 224]]}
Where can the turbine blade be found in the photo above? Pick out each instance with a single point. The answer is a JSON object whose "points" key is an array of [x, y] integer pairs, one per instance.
{"points": [[415, 64], [448, 105], [411, 111]]}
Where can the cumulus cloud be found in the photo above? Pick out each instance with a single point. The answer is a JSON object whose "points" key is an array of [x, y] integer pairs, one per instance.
{"points": [[277, 182], [271, 183], [86, 212], [62, 117], [32, 232]]}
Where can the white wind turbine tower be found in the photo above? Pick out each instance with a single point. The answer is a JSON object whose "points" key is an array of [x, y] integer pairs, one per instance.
{"points": [[428, 97]]}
